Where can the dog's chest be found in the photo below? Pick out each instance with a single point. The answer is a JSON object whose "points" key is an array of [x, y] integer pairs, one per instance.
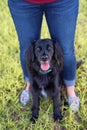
{"points": [[45, 85]]}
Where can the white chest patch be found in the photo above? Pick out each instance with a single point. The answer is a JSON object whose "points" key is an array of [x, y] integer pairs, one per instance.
{"points": [[44, 94]]}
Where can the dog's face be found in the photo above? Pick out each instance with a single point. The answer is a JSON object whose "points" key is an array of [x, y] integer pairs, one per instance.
{"points": [[44, 51]]}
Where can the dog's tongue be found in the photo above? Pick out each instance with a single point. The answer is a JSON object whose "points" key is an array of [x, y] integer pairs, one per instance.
{"points": [[45, 66]]}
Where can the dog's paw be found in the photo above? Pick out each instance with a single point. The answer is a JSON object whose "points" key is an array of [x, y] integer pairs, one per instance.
{"points": [[32, 120], [57, 116]]}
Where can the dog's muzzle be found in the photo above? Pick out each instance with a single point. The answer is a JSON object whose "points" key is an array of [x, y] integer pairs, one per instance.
{"points": [[44, 58]]}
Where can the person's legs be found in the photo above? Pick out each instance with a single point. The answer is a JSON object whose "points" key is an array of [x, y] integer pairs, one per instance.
{"points": [[61, 19], [27, 19]]}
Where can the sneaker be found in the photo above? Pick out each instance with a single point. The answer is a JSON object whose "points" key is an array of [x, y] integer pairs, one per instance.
{"points": [[24, 97], [74, 103]]}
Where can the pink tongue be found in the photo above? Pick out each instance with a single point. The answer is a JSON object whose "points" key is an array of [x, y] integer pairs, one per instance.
{"points": [[45, 66]]}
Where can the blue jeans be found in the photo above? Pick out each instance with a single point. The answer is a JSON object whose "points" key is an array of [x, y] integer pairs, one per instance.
{"points": [[61, 17]]}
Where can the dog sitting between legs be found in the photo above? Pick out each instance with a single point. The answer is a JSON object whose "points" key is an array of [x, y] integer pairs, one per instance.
{"points": [[45, 62]]}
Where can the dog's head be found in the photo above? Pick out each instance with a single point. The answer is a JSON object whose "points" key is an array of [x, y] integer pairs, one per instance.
{"points": [[46, 53]]}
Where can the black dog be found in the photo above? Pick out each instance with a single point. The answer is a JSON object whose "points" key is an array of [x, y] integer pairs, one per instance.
{"points": [[45, 62]]}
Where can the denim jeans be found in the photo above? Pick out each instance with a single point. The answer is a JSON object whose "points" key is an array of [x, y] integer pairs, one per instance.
{"points": [[61, 17]]}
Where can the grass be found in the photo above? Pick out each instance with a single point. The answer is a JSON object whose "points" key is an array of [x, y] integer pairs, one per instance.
{"points": [[12, 115]]}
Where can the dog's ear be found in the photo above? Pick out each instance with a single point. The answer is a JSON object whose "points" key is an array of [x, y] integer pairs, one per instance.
{"points": [[58, 55], [30, 56]]}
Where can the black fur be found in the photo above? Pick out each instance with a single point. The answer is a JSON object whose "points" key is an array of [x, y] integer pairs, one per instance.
{"points": [[45, 83], [46, 50]]}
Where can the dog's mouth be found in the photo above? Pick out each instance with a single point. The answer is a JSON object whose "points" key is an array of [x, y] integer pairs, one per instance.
{"points": [[45, 65]]}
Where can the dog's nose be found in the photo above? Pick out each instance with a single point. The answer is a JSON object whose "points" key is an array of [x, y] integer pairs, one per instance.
{"points": [[44, 58]]}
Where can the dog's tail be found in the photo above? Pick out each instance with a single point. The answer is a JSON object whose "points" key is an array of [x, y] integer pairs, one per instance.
{"points": [[79, 63]]}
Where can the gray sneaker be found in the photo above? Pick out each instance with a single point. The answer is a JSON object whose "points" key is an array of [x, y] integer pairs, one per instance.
{"points": [[74, 103], [24, 97]]}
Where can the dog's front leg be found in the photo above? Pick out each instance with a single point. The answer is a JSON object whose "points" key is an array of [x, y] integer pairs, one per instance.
{"points": [[56, 108], [35, 108], [56, 100]]}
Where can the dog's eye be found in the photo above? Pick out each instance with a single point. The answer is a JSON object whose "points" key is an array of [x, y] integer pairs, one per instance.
{"points": [[49, 47], [38, 48]]}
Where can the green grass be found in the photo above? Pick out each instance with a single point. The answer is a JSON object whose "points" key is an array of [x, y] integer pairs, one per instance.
{"points": [[12, 115]]}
